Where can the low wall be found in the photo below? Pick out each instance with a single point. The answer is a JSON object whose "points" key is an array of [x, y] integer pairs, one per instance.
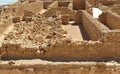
{"points": [[94, 28], [62, 10], [61, 68], [112, 20], [102, 18], [85, 50], [107, 2], [78, 4]]}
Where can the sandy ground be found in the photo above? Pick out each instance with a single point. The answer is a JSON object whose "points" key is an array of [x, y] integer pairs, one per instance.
{"points": [[74, 32]]}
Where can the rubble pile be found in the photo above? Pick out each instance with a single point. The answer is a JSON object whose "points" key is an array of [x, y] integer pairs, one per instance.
{"points": [[41, 32]]}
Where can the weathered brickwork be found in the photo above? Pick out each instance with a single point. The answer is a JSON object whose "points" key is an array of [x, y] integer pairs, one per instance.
{"points": [[39, 17]]}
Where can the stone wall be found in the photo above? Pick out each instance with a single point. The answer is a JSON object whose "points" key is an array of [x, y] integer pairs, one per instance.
{"points": [[78, 17], [108, 2], [62, 68], [85, 50], [78, 4], [62, 10], [112, 20], [102, 18], [94, 28]]}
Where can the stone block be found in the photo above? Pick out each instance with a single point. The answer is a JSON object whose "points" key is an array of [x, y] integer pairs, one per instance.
{"points": [[65, 19]]}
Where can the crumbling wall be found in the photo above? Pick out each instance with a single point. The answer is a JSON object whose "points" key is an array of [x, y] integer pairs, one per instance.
{"points": [[94, 28], [112, 20], [62, 10], [90, 51], [62, 68]]}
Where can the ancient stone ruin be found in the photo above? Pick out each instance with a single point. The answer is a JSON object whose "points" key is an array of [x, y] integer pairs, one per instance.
{"points": [[60, 37]]}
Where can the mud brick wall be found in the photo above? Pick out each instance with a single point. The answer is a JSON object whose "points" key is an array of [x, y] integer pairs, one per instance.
{"points": [[112, 20], [94, 28], [53, 5], [67, 68], [78, 4]]}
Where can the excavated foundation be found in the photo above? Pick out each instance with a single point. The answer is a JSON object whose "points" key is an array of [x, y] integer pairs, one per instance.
{"points": [[59, 37]]}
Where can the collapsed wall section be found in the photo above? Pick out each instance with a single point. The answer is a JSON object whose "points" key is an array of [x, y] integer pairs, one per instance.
{"points": [[94, 28]]}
